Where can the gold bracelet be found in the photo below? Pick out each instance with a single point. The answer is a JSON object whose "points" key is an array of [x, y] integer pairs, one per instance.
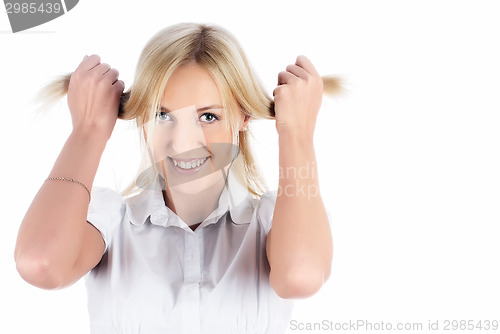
{"points": [[69, 179]]}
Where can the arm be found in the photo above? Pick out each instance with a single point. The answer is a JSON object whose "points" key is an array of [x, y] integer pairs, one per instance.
{"points": [[299, 244], [55, 245]]}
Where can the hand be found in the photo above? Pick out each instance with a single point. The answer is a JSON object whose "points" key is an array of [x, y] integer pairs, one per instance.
{"points": [[297, 99], [94, 96]]}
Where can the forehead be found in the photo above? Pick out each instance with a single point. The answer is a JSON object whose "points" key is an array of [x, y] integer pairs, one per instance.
{"points": [[190, 85]]}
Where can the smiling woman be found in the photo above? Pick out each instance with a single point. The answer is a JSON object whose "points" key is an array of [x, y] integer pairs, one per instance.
{"points": [[196, 244], [186, 141]]}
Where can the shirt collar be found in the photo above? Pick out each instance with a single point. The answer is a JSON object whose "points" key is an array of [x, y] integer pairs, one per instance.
{"points": [[149, 203]]}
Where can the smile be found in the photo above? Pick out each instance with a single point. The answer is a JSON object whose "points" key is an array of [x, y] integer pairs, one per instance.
{"points": [[189, 164]]}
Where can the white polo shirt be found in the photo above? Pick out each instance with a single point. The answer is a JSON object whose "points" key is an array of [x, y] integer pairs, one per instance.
{"points": [[159, 276]]}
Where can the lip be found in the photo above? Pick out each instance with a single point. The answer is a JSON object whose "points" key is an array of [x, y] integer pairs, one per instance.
{"points": [[187, 171]]}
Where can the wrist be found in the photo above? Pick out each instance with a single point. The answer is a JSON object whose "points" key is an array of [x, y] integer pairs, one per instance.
{"points": [[295, 139], [90, 134], [291, 132], [88, 137]]}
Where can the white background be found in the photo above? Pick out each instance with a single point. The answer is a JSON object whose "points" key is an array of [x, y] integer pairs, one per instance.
{"points": [[408, 158]]}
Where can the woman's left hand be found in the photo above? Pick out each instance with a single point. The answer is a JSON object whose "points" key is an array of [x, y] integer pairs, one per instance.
{"points": [[297, 99]]}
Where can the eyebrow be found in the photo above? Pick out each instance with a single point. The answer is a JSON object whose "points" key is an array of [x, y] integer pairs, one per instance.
{"points": [[210, 107]]}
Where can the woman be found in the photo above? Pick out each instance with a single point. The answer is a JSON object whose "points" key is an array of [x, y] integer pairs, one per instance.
{"points": [[197, 245]]}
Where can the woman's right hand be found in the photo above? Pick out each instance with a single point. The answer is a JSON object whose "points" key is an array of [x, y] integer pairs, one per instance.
{"points": [[94, 97]]}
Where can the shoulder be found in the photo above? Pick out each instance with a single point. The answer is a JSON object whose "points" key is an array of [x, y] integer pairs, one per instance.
{"points": [[106, 201], [105, 193], [106, 211]]}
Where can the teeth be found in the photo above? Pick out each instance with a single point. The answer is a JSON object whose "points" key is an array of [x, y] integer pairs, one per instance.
{"points": [[190, 164]]}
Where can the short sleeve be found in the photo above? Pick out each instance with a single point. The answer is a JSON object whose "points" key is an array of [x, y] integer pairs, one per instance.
{"points": [[265, 209], [106, 211]]}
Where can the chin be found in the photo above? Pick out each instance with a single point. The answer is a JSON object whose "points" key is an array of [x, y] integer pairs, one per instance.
{"points": [[213, 182]]}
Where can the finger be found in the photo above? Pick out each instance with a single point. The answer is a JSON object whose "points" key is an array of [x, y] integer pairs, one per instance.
{"points": [[277, 90], [297, 71], [102, 68], [90, 62], [119, 84], [285, 77], [112, 75], [306, 64]]}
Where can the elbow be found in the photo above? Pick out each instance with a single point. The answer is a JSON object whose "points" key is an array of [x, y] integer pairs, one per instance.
{"points": [[299, 283], [38, 272]]}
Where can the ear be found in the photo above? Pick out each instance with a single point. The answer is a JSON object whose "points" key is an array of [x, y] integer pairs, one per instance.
{"points": [[245, 120]]}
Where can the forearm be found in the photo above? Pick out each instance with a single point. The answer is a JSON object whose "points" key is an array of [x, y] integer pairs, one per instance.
{"points": [[51, 232], [300, 242]]}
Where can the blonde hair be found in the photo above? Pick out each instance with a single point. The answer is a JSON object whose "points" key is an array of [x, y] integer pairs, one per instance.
{"points": [[216, 50]]}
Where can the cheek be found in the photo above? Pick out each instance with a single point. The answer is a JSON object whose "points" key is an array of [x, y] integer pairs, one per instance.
{"points": [[215, 134], [159, 147], [221, 146], [219, 133], [217, 138]]}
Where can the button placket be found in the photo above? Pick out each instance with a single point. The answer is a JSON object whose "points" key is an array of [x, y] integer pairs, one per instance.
{"points": [[190, 289]]}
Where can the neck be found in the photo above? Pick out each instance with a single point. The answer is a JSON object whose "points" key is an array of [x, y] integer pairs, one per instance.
{"points": [[193, 208]]}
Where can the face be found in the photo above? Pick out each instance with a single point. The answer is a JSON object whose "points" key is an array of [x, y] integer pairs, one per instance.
{"points": [[193, 144]]}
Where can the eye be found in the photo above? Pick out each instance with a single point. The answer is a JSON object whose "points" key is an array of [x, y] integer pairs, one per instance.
{"points": [[163, 116], [209, 117]]}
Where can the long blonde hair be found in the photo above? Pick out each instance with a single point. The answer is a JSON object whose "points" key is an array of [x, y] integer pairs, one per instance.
{"points": [[216, 50]]}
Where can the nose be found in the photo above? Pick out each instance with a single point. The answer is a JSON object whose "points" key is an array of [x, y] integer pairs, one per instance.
{"points": [[185, 137]]}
